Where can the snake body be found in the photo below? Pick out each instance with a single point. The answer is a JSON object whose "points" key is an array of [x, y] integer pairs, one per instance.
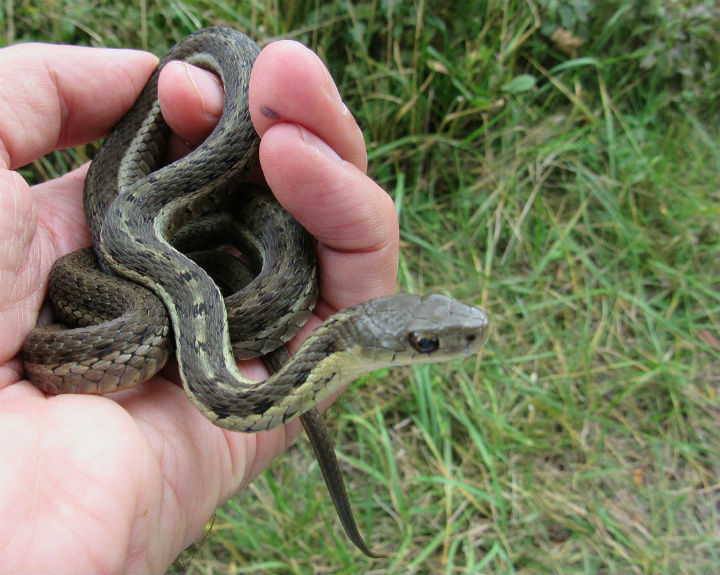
{"points": [[144, 216]]}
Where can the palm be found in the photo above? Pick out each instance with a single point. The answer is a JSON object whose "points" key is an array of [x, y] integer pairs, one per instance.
{"points": [[101, 463]]}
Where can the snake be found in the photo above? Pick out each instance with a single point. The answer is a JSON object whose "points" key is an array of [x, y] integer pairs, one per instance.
{"points": [[147, 287]]}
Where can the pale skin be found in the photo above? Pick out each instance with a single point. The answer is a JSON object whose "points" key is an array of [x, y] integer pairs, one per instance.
{"points": [[125, 483]]}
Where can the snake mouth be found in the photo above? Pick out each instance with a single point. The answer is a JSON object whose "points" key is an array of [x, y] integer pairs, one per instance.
{"points": [[485, 332], [473, 343], [477, 331], [469, 343]]}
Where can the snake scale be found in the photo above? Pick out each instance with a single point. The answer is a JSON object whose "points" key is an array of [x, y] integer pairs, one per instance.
{"points": [[137, 295]]}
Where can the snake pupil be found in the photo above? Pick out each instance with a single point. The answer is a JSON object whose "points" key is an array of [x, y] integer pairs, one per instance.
{"points": [[422, 342]]}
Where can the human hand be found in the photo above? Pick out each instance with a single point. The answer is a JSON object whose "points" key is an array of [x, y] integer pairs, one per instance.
{"points": [[125, 483]]}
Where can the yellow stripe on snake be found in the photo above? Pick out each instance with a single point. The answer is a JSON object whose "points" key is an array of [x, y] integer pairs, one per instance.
{"points": [[143, 217]]}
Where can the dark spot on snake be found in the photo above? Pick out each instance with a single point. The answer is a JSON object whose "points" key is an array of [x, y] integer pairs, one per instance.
{"points": [[301, 377], [192, 387], [262, 406], [204, 346], [186, 276], [200, 308], [269, 113], [329, 347], [221, 411]]}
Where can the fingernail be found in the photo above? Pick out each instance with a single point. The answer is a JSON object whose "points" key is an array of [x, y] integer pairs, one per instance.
{"points": [[330, 87], [318, 145], [208, 89]]}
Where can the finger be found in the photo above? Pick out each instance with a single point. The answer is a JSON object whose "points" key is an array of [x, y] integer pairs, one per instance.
{"points": [[52, 97], [353, 219], [191, 100], [313, 157], [289, 83], [64, 96]]}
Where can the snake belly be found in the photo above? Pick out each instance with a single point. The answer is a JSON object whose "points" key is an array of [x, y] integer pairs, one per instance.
{"points": [[137, 210]]}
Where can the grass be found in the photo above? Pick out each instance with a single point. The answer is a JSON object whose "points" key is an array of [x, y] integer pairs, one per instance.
{"points": [[571, 190]]}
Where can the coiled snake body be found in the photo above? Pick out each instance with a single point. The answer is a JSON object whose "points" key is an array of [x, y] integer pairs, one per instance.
{"points": [[143, 217]]}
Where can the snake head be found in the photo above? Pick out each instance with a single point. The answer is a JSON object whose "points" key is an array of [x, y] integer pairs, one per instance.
{"points": [[405, 329]]}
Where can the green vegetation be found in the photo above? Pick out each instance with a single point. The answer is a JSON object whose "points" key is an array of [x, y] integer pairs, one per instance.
{"points": [[557, 163]]}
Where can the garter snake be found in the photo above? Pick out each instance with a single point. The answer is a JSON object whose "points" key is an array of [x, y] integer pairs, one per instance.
{"points": [[143, 293]]}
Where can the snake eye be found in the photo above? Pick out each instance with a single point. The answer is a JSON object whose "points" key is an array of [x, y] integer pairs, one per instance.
{"points": [[423, 342]]}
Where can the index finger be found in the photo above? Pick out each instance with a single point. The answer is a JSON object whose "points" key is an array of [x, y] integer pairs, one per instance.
{"points": [[313, 158]]}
